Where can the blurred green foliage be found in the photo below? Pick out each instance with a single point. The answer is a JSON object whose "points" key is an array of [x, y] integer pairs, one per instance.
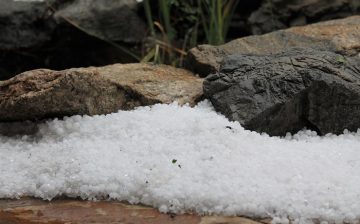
{"points": [[176, 26]]}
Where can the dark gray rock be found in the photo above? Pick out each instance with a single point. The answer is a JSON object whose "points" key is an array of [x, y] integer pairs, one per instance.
{"points": [[24, 24], [280, 14], [288, 91], [60, 34], [106, 19]]}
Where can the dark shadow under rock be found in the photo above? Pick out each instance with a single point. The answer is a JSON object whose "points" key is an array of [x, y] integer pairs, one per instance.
{"points": [[288, 91], [11, 129]]}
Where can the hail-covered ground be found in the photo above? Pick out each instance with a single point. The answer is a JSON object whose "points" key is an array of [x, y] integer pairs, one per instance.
{"points": [[183, 159]]}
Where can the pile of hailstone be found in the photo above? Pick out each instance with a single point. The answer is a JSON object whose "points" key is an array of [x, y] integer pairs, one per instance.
{"points": [[183, 159]]}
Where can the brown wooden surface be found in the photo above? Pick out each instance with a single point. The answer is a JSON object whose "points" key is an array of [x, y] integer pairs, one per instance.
{"points": [[68, 211]]}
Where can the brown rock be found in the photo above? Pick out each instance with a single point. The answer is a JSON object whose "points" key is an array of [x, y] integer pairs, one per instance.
{"points": [[340, 36], [61, 211], [42, 93]]}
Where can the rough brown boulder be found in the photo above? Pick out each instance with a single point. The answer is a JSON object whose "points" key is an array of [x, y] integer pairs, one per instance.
{"points": [[340, 36], [42, 93]]}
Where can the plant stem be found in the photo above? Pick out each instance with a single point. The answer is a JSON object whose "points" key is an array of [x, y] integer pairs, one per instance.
{"points": [[165, 10], [149, 16], [220, 19]]}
